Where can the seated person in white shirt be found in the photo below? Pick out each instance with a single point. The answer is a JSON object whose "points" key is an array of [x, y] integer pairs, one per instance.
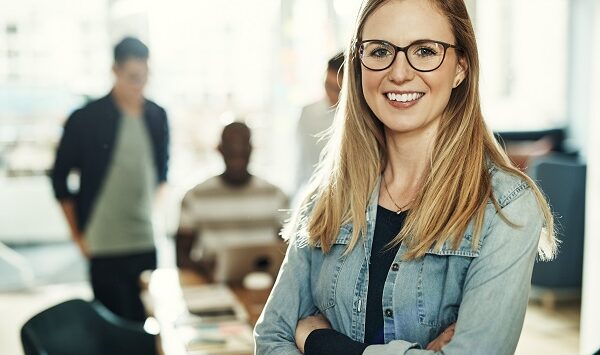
{"points": [[233, 209]]}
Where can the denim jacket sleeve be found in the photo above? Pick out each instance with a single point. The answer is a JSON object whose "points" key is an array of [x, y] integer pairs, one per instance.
{"points": [[496, 288], [290, 300]]}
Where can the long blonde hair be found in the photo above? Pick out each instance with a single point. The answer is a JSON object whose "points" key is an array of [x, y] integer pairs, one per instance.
{"points": [[356, 155]]}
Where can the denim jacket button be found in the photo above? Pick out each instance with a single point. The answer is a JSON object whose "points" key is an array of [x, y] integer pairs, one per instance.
{"points": [[389, 313], [395, 267]]}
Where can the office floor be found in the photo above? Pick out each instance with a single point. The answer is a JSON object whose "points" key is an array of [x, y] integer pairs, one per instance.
{"points": [[550, 332]]}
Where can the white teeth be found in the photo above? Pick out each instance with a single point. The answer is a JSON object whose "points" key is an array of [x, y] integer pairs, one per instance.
{"points": [[404, 97]]}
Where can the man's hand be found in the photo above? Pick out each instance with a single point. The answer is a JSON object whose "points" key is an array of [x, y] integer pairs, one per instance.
{"points": [[443, 339], [68, 207], [82, 245], [306, 326]]}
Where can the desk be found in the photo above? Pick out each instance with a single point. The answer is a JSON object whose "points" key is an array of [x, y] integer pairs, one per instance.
{"points": [[164, 300]]}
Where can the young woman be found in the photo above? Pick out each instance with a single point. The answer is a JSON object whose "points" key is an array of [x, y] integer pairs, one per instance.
{"points": [[420, 235]]}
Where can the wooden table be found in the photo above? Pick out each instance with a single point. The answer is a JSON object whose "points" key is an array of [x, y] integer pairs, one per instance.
{"points": [[166, 304]]}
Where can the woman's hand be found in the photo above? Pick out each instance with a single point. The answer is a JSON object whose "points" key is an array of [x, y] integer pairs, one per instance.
{"points": [[443, 339], [307, 325]]}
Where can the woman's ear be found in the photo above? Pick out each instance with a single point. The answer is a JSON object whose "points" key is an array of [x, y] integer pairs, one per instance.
{"points": [[461, 71]]}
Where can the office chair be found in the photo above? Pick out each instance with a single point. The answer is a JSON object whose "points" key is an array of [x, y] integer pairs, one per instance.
{"points": [[562, 179], [80, 327]]}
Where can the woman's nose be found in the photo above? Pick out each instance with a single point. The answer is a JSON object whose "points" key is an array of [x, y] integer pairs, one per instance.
{"points": [[400, 70]]}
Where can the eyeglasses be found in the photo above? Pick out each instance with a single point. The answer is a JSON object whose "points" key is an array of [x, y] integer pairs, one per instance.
{"points": [[422, 55]]}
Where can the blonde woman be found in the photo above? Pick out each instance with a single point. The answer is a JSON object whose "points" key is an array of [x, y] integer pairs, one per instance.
{"points": [[420, 235]]}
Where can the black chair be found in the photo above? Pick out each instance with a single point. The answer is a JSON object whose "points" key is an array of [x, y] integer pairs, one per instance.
{"points": [[562, 179], [79, 327]]}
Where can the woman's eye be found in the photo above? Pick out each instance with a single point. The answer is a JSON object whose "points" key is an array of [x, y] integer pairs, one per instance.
{"points": [[380, 52], [425, 52]]}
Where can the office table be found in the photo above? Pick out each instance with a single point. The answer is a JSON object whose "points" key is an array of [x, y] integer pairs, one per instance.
{"points": [[163, 297]]}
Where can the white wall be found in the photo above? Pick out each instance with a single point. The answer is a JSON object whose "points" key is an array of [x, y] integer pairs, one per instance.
{"points": [[581, 27], [590, 309]]}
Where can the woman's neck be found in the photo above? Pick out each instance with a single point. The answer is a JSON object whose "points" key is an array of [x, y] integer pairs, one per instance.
{"points": [[409, 157], [409, 154]]}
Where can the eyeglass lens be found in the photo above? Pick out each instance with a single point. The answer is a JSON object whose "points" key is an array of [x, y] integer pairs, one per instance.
{"points": [[422, 55]]}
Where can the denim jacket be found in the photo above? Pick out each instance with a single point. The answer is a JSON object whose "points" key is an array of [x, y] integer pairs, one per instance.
{"points": [[484, 290]]}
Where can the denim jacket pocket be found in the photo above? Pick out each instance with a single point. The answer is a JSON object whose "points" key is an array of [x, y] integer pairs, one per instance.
{"points": [[441, 278], [331, 266]]}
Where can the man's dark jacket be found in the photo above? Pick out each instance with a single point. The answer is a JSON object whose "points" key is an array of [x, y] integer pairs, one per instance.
{"points": [[87, 145]]}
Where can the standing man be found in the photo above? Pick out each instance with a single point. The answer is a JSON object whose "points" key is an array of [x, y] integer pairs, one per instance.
{"points": [[316, 118], [119, 145]]}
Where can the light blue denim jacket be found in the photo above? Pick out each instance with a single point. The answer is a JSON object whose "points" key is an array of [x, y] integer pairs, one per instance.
{"points": [[484, 290]]}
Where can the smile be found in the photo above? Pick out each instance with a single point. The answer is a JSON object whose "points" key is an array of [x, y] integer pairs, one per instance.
{"points": [[404, 97]]}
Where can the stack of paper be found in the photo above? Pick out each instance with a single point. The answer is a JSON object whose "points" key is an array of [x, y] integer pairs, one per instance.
{"points": [[216, 322], [213, 302], [218, 338]]}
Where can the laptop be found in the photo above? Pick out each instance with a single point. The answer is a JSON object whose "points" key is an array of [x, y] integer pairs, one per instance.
{"points": [[233, 263]]}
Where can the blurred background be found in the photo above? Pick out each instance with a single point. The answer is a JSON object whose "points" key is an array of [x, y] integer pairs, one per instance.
{"points": [[214, 62]]}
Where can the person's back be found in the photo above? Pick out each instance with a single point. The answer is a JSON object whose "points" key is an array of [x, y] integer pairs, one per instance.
{"points": [[119, 146]]}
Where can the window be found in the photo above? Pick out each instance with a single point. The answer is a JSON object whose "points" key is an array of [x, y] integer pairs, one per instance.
{"points": [[523, 56]]}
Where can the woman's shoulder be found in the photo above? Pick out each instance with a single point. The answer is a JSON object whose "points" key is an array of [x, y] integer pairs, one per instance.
{"points": [[516, 199], [507, 186], [519, 220]]}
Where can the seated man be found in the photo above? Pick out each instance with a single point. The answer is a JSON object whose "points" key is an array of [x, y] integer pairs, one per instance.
{"points": [[233, 209]]}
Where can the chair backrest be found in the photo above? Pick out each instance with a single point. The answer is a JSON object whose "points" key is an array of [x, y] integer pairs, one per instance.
{"points": [[562, 179], [80, 327]]}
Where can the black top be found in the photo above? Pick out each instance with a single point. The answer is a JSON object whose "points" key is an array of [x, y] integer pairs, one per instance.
{"points": [[387, 226], [87, 143], [328, 341]]}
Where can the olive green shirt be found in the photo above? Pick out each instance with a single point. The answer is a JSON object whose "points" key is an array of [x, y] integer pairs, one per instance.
{"points": [[121, 221]]}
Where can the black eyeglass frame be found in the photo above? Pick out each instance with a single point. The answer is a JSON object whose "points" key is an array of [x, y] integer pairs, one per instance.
{"points": [[397, 49]]}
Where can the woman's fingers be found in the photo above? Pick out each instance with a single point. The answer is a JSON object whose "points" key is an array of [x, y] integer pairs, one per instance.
{"points": [[443, 339]]}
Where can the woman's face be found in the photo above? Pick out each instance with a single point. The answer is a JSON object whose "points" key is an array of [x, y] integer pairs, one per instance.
{"points": [[401, 22]]}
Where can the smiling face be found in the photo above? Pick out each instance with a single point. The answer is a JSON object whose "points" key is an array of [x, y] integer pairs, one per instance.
{"points": [[404, 99]]}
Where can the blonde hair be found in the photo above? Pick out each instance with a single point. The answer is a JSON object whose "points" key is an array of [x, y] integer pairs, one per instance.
{"points": [[356, 155]]}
